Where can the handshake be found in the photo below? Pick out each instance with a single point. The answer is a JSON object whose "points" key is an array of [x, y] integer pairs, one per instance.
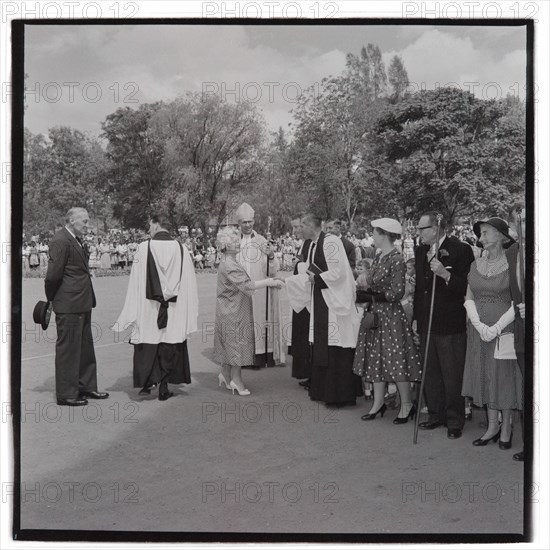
{"points": [[276, 282]]}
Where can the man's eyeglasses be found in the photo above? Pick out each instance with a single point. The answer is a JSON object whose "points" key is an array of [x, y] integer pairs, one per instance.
{"points": [[425, 227]]}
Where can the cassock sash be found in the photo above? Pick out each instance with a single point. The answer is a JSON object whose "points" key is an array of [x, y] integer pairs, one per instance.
{"points": [[153, 289]]}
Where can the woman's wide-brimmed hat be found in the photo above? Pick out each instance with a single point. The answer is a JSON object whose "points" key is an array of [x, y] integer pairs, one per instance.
{"points": [[498, 223]]}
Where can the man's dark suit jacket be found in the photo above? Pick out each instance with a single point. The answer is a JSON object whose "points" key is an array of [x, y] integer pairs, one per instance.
{"points": [[68, 282], [515, 289], [449, 315], [350, 251]]}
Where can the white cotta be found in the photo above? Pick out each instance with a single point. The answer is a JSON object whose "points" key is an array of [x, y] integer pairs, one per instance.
{"points": [[141, 313], [254, 261], [343, 316]]}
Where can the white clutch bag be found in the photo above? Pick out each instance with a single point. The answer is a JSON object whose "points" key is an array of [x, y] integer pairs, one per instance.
{"points": [[504, 348]]}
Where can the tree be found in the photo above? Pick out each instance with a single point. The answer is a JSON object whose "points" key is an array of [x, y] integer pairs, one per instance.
{"points": [[333, 155], [135, 163], [398, 77], [67, 169], [450, 148], [210, 150]]}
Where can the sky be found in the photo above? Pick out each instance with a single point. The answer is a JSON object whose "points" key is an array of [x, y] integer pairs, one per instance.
{"points": [[79, 74]]}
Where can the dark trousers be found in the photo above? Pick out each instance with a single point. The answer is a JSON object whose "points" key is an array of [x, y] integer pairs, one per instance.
{"points": [[521, 364], [75, 363], [444, 373]]}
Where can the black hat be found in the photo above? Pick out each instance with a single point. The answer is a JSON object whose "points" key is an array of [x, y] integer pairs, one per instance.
{"points": [[42, 313], [498, 223]]}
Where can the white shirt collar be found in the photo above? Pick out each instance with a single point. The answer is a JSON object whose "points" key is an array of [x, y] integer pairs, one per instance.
{"points": [[72, 234]]}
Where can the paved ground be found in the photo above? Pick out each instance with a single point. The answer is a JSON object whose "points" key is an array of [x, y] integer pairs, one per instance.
{"points": [[271, 462]]}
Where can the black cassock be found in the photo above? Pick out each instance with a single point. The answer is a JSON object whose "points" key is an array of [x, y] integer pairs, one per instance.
{"points": [[156, 363], [332, 377], [299, 348]]}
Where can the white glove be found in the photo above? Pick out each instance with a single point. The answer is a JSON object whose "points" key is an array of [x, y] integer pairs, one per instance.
{"points": [[272, 283], [473, 315], [505, 320], [262, 284], [488, 333], [275, 283]]}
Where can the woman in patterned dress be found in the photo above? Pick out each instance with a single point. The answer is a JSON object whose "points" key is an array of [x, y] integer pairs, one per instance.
{"points": [[234, 328], [493, 383], [387, 353]]}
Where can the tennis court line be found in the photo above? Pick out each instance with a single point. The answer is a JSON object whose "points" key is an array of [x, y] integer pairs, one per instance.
{"points": [[53, 354]]}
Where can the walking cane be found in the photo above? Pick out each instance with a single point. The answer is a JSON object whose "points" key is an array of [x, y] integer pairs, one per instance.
{"points": [[520, 243], [423, 381], [267, 298]]}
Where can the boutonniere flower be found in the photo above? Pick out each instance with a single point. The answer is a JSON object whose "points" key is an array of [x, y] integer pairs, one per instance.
{"points": [[443, 253]]}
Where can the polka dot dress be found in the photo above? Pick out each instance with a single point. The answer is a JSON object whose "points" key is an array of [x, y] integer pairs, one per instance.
{"points": [[388, 353]]}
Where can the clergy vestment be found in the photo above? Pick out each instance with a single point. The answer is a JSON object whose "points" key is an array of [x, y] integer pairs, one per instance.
{"points": [[161, 306], [254, 261], [299, 346], [334, 321]]}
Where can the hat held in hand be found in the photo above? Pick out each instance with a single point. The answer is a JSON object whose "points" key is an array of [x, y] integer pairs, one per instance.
{"points": [[42, 313]]}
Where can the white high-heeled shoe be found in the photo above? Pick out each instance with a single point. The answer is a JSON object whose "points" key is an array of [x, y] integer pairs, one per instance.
{"points": [[234, 387], [222, 380]]}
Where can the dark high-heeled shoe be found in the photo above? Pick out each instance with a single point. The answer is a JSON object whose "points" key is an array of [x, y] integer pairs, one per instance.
{"points": [[482, 442], [372, 416], [504, 445], [405, 419]]}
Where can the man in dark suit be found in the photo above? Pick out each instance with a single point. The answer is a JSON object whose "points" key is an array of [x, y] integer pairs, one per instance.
{"points": [[69, 287], [335, 228], [447, 351], [515, 255]]}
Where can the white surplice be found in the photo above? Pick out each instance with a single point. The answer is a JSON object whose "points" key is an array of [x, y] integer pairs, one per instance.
{"points": [[344, 317], [254, 261], [141, 313]]}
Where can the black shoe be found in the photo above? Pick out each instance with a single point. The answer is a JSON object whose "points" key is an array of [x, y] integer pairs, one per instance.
{"points": [[430, 425], [505, 445], [165, 396], [372, 416], [519, 457], [75, 402], [305, 383], [340, 405], [469, 415], [405, 419], [93, 394], [454, 433], [146, 390], [482, 442]]}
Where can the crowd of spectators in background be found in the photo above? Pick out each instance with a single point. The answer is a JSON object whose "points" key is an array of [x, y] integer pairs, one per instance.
{"points": [[115, 250]]}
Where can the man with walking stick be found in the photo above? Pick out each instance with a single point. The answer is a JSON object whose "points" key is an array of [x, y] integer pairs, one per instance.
{"points": [[440, 320], [516, 270]]}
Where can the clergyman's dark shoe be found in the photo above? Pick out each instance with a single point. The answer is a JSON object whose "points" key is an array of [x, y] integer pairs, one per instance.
{"points": [[74, 402], [165, 396], [454, 433], [430, 425], [340, 405], [93, 394], [146, 390], [519, 457], [305, 383]]}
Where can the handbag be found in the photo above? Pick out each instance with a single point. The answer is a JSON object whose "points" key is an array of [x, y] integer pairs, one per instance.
{"points": [[504, 348], [370, 319]]}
